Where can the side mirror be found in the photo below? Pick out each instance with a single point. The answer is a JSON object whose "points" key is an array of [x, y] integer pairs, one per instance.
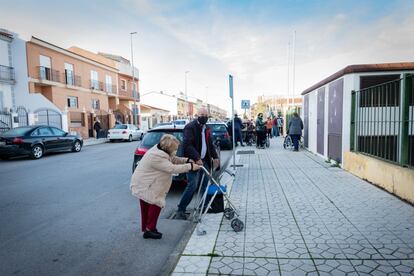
{"points": [[66, 134]]}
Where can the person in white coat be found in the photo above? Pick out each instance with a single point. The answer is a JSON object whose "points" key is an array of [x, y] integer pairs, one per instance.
{"points": [[152, 179]]}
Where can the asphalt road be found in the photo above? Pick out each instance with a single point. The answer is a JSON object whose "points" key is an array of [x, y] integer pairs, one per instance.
{"points": [[73, 214]]}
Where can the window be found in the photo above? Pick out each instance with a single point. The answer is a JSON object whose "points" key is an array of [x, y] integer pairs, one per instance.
{"points": [[94, 80], [69, 77], [123, 85], [95, 104], [1, 101], [73, 102], [108, 83], [45, 68], [76, 119], [44, 131], [57, 132]]}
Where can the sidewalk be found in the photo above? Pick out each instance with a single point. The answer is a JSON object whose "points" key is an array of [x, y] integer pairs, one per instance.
{"points": [[304, 217], [94, 141]]}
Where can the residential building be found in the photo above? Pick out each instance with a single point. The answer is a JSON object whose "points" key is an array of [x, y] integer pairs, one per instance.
{"points": [[74, 82], [128, 103], [362, 117], [153, 115], [18, 107]]}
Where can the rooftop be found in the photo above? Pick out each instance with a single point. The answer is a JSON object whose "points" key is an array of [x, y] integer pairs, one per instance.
{"points": [[359, 68]]}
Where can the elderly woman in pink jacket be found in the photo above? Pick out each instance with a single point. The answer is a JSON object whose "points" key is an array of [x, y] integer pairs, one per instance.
{"points": [[152, 180]]}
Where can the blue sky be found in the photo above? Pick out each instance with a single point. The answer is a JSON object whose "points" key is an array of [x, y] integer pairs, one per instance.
{"points": [[212, 39]]}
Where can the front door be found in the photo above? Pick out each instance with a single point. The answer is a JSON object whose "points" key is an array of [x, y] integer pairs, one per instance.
{"points": [[320, 121], [335, 120], [306, 120]]}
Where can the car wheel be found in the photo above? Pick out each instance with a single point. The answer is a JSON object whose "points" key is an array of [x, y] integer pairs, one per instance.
{"points": [[37, 152], [130, 138], [77, 146], [4, 158], [111, 140]]}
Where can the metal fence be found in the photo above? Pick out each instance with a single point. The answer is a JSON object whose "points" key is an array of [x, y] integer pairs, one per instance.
{"points": [[48, 117], [382, 121], [5, 121], [6, 73]]}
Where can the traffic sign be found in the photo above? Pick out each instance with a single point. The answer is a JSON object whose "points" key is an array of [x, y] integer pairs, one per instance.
{"points": [[231, 86], [245, 104]]}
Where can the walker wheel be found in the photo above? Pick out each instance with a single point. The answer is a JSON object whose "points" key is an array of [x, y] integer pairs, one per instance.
{"points": [[237, 225], [228, 213]]}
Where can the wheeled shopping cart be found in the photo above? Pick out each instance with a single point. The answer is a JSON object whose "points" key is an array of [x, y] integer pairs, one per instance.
{"points": [[206, 200]]}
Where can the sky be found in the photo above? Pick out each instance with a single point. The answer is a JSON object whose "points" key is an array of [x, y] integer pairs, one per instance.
{"points": [[212, 39]]}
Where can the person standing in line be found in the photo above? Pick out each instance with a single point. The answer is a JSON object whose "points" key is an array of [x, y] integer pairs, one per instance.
{"points": [[197, 145], [295, 130], [238, 125], [260, 130], [280, 124], [269, 125], [97, 126], [275, 129], [152, 179]]}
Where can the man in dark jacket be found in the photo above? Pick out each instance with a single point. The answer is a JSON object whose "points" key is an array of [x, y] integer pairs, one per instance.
{"points": [[238, 125], [97, 126], [198, 146]]}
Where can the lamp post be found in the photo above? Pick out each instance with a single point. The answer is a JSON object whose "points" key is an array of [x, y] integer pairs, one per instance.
{"points": [[186, 94], [134, 92]]}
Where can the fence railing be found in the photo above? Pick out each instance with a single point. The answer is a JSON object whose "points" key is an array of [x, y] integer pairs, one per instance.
{"points": [[382, 121], [6, 73]]}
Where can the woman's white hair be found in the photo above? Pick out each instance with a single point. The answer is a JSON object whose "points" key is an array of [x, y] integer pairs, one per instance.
{"points": [[168, 142]]}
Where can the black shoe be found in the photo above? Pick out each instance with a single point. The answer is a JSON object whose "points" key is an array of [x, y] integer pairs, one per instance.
{"points": [[242, 145], [156, 231], [180, 215], [152, 235]]}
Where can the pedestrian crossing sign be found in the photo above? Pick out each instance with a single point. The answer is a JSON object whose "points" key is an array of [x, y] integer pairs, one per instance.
{"points": [[245, 104]]}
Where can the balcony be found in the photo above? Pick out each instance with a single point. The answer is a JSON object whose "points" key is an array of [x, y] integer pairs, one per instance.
{"points": [[6, 73], [96, 85], [110, 89], [71, 79], [48, 74]]}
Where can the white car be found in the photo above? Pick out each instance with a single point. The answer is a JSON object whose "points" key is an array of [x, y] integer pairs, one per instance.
{"points": [[126, 132]]}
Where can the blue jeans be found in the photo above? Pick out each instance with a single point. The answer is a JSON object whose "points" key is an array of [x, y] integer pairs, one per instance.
{"points": [[239, 136], [193, 180], [275, 131], [295, 140]]}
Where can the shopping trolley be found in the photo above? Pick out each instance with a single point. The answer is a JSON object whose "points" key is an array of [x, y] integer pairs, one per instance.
{"points": [[203, 206]]}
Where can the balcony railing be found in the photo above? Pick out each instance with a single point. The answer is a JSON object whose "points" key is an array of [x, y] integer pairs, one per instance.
{"points": [[6, 73], [96, 85], [49, 74], [111, 89], [71, 79]]}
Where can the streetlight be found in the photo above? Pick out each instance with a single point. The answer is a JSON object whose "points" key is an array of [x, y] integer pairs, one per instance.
{"points": [[186, 95], [134, 93]]}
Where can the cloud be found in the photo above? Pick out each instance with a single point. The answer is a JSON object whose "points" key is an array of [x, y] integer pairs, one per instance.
{"points": [[211, 41]]}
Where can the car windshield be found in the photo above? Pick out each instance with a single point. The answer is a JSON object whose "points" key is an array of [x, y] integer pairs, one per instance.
{"points": [[19, 131], [179, 122], [152, 138], [120, 127], [218, 127]]}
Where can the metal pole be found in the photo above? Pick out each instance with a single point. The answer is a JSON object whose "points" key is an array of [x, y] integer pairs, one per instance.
{"points": [[232, 114], [288, 73], [133, 82], [186, 95], [293, 75]]}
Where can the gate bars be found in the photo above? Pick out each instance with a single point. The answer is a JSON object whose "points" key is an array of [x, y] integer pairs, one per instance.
{"points": [[382, 121]]}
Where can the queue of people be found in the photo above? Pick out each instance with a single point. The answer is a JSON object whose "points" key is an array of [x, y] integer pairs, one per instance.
{"points": [[152, 178]]}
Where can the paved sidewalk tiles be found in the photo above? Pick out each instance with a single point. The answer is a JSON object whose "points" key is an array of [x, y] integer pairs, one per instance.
{"points": [[303, 217]]}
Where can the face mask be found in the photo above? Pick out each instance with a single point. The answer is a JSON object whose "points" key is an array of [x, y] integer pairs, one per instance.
{"points": [[202, 120]]}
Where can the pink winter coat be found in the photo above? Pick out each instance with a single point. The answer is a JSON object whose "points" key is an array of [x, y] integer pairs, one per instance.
{"points": [[152, 178]]}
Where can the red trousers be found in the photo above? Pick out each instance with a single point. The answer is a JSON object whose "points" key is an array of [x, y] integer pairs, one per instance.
{"points": [[149, 216]]}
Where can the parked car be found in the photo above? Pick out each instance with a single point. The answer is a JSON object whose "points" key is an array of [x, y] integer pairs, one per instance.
{"points": [[221, 134], [126, 132], [153, 137], [181, 122], [36, 141], [163, 124]]}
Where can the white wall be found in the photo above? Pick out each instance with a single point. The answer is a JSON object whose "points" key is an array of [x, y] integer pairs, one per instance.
{"points": [[31, 101], [4, 53], [161, 101]]}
